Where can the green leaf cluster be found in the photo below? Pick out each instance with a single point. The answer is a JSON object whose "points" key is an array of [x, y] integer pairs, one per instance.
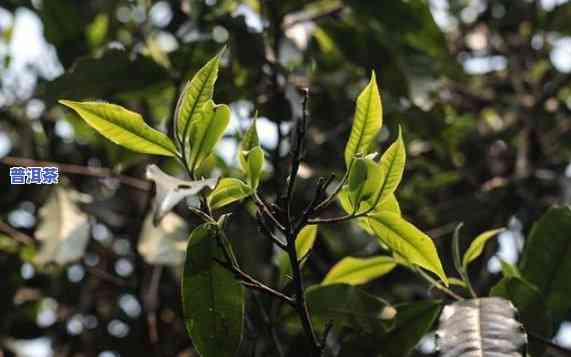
{"points": [[369, 194]]}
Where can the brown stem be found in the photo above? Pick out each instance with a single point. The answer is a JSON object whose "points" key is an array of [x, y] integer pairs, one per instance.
{"points": [[292, 231]]}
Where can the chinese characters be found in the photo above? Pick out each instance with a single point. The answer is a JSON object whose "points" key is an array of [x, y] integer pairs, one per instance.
{"points": [[34, 175]]}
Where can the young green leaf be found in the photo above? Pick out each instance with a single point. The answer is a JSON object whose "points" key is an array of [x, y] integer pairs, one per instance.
{"points": [[206, 129], [477, 246], [123, 127], [255, 165], [251, 156], [407, 241], [356, 180], [366, 123], [195, 94], [303, 244], [393, 163], [355, 271], [370, 193], [305, 241], [389, 205], [227, 191], [213, 301], [249, 140], [457, 282]]}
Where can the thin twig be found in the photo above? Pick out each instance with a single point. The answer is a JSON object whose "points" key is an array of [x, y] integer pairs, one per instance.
{"points": [[262, 205], [232, 265], [266, 231], [271, 327], [292, 231], [151, 301], [436, 284], [297, 152], [15, 234], [551, 344], [253, 283]]}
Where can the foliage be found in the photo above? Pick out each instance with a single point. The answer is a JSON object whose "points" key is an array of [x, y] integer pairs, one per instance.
{"points": [[308, 164]]}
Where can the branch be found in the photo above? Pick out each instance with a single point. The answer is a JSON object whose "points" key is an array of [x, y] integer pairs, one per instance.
{"points": [[555, 348], [151, 301], [15, 234], [297, 152], [291, 233], [251, 282], [268, 322], [262, 225]]}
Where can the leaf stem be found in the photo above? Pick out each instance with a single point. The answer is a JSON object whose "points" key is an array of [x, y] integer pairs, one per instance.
{"points": [[436, 284]]}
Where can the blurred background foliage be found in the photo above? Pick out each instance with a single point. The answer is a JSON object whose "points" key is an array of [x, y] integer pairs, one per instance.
{"points": [[482, 89]]}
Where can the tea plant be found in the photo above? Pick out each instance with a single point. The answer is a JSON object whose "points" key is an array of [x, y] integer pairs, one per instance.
{"points": [[214, 283]]}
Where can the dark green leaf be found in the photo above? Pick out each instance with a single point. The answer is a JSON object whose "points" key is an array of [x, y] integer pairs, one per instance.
{"points": [[546, 259], [528, 301], [213, 301], [348, 306], [412, 322], [112, 73]]}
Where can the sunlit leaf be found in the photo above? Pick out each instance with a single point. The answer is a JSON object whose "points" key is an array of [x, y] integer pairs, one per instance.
{"points": [[213, 300], [227, 191], [303, 244], [249, 140], [123, 127], [206, 129], [390, 205], [477, 246], [355, 271], [356, 180], [251, 156], [366, 123], [407, 241], [393, 163], [305, 240], [194, 96], [255, 165], [166, 243], [63, 231], [171, 190]]}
